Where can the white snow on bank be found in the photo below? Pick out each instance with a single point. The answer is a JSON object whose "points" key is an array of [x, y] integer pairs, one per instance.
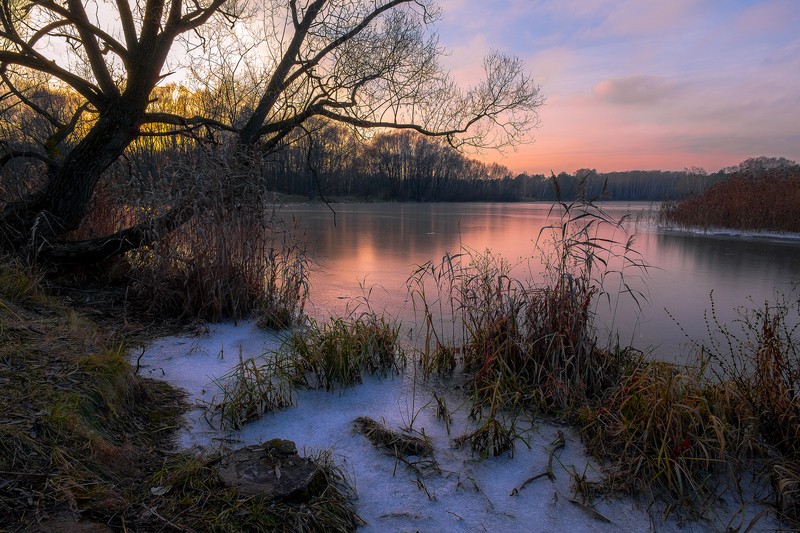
{"points": [[730, 232], [465, 495]]}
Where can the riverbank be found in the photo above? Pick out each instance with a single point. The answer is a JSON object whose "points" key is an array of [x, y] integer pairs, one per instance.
{"points": [[87, 439], [87, 444], [80, 433]]}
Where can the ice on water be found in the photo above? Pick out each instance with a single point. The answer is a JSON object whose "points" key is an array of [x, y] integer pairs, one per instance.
{"points": [[466, 494]]}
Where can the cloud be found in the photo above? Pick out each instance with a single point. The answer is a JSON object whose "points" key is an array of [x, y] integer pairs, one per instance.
{"points": [[634, 90]]}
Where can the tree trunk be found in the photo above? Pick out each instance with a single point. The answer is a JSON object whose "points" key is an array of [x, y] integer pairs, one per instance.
{"points": [[69, 194], [63, 203]]}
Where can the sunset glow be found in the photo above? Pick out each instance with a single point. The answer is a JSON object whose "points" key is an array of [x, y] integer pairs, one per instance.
{"points": [[635, 84]]}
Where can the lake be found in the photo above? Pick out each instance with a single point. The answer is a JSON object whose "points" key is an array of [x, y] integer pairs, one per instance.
{"points": [[375, 247]]}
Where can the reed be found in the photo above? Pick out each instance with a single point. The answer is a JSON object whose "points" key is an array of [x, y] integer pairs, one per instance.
{"points": [[338, 351], [330, 354], [527, 346], [742, 202], [235, 257], [757, 359], [659, 431]]}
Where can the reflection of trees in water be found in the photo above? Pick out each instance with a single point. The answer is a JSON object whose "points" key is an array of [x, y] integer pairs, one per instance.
{"points": [[419, 232]]}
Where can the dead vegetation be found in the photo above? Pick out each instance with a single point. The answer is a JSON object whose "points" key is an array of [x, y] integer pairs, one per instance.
{"points": [[743, 201], [398, 443], [84, 439]]}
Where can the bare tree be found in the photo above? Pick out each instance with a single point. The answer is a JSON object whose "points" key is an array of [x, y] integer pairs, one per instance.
{"points": [[270, 68]]}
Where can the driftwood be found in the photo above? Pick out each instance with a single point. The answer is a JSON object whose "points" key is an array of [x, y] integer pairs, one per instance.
{"points": [[401, 444]]}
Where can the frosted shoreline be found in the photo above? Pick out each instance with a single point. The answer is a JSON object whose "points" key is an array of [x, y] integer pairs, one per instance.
{"points": [[729, 232], [465, 495]]}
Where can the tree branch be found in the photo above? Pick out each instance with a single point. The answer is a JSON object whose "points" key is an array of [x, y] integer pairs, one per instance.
{"points": [[30, 154], [363, 123], [83, 25], [37, 62], [249, 133], [128, 26], [102, 248], [177, 120], [310, 64], [95, 56], [197, 18]]}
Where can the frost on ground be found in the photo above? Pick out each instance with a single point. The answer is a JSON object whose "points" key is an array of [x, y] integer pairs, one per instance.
{"points": [[459, 493]]}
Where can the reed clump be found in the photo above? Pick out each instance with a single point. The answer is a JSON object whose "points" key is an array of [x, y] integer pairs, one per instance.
{"points": [[232, 257], [681, 432], [328, 354], [742, 201], [338, 351], [658, 431], [251, 389], [527, 346], [757, 359]]}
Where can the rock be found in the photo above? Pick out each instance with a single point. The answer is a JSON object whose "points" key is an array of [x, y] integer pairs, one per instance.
{"points": [[273, 471]]}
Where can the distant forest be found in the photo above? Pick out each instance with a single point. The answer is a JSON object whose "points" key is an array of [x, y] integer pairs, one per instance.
{"points": [[404, 166]]}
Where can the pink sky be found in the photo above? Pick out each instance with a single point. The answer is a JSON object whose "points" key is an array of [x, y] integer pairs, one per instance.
{"points": [[637, 84]]}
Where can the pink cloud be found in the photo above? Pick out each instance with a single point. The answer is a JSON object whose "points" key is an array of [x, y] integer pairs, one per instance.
{"points": [[634, 90]]}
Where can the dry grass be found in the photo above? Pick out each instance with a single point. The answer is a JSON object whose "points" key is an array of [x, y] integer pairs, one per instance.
{"points": [[195, 500], [741, 202], [225, 264], [681, 433], [337, 352], [398, 443]]}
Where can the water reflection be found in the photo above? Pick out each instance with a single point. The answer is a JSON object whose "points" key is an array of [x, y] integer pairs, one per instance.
{"points": [[379, 245]]}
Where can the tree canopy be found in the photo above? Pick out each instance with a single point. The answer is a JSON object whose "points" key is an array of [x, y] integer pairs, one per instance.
{"points": [[82, 81]]}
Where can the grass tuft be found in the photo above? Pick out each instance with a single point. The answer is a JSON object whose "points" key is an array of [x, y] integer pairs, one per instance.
{"points": [[250, 390], [658, 431], [339, 351]]}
